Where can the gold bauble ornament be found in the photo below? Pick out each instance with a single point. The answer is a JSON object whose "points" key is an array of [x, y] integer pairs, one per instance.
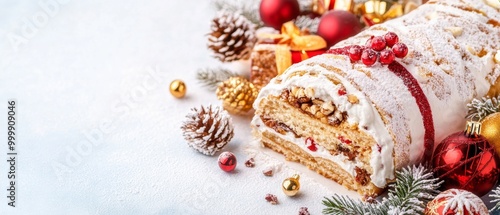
{"points": [[178, 88], [291, 186], [490, 129], [237, 95]]}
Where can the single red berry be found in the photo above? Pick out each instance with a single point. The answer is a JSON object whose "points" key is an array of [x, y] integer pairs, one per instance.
{"points": [[400, 50], [369, 41], [355, 52], [386, 56], [310, 144], [369, 57], [391, 38], [378, 43]]}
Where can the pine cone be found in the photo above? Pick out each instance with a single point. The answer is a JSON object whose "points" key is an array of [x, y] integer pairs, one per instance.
{"points": [[232, 37], [208, 129], [237, 95]]}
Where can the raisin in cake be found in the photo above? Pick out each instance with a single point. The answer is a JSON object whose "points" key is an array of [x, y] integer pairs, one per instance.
{"points": [[357, 124]]}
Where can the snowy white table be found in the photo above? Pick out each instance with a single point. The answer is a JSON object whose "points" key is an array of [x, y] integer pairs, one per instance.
{"points": [[98, 131]]}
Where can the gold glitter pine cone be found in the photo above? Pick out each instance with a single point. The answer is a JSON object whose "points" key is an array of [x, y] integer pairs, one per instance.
{"points": [[237, 95]]}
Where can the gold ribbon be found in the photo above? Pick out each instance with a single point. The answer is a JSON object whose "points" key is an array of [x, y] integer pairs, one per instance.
{"points": [[292, 39], [321, 6], [296, 39], [378, 11]]}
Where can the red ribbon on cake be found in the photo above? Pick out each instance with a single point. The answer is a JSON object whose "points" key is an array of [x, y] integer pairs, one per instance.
{"points": [[416, 91]]}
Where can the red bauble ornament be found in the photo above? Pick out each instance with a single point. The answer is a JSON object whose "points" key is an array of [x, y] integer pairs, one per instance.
{"points": [[227, 161], [338, 25], [276, 12], [455, 201], [465, 160]]}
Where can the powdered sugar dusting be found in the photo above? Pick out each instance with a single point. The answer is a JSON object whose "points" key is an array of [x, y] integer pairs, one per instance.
{"points": [[451, 68]]}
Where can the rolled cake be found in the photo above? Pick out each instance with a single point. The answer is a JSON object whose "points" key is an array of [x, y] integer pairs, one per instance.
{"points": [[358, 124]]}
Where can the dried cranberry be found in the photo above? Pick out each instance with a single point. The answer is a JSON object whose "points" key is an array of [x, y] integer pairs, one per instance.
{"points": [[355, 52], [310, 144], [344, 140]]}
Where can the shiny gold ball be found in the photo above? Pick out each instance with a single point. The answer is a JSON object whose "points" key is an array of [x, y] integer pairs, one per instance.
{"points": [[178, 88], [237, 95], [490, 129], [291, 186]]}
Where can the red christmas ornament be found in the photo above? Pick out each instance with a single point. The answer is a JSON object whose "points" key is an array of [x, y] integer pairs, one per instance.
{"points": [[455, 201], [465, 160], [227, 161], [276, 12], [338, 25]]}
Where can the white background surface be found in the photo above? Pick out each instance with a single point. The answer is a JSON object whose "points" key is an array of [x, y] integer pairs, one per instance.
{"points": [[98, 131], [82, 64]]}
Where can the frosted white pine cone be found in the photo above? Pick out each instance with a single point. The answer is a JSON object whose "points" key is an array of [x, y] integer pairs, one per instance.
{"points": [[232, 37], [208, 129]]}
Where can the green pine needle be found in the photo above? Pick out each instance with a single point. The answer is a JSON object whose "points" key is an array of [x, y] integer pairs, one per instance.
{"points": [[478, 109], [211, 77], [340, 205], [414, 187], [495, 199]]}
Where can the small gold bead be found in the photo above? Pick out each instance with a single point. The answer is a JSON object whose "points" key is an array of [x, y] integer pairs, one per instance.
{"points": [[178, 88], [291, 186]]}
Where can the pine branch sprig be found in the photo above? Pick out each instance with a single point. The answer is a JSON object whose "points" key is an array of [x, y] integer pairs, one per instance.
{"points": [[478, 109], [340, 205], [414, 187], [247, 8], [211, 77], [495, 199]]}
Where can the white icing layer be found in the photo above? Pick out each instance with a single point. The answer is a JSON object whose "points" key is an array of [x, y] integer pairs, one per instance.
{"points": [[451, 68], [363, 114], [340, 159]]}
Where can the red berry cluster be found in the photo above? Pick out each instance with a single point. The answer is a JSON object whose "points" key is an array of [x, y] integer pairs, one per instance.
{"points": [[376, 48]]}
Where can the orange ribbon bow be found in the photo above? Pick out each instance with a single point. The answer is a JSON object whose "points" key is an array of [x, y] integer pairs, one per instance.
{"points": [[292, 39]]}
